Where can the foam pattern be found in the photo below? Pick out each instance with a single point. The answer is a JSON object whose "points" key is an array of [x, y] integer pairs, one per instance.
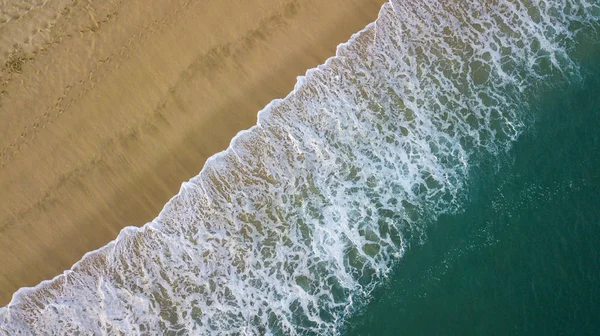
{"points": [[289, 229]]}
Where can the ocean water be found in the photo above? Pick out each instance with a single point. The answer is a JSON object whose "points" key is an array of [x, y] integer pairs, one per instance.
{"points": [[377, 197], [523, 258]]}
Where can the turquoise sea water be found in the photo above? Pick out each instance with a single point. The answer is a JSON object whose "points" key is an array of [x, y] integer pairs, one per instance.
{"points": [[436, 176], [524, 256]]}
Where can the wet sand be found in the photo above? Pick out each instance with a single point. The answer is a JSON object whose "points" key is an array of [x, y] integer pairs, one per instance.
{"points": [[106, 107]]}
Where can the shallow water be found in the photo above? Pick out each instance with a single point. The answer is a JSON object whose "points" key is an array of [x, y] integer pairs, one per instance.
{"points": [[297, 225]]}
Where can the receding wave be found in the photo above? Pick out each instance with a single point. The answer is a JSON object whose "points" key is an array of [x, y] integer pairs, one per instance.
{"points": [[289, 229]]}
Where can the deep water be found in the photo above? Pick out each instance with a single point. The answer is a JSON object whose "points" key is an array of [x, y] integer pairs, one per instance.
{"points": [[524, 256]]}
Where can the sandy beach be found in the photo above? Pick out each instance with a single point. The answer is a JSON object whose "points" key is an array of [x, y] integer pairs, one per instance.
{"points": [[106, 107]]}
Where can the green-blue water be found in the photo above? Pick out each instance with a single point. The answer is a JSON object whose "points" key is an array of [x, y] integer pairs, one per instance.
{"points": [[524, 257]]}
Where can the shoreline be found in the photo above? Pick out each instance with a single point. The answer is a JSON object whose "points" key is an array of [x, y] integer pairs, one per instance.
{"points": [[127, 230], [127, 177]]}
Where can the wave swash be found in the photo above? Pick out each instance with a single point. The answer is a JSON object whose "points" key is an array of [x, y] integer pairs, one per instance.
{"points": [[289, 229]]}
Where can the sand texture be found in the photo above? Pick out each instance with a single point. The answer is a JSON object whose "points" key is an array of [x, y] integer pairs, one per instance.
{"points": [[106, 107]]}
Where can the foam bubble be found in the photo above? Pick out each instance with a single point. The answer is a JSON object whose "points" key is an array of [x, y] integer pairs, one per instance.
{"points": [[289, 230]]}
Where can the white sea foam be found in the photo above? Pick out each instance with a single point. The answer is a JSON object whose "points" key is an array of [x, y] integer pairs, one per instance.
{"points": [[288, 230]]}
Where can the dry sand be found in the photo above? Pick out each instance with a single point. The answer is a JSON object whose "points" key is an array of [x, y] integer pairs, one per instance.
{"points": [[106, 107]]}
